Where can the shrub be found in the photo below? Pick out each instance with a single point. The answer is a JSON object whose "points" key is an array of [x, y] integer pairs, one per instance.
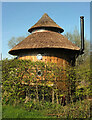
{"points": [[19, 75]]}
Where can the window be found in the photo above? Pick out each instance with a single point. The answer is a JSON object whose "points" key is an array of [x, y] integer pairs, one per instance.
{"points": [[39, 57], [39, 73]]}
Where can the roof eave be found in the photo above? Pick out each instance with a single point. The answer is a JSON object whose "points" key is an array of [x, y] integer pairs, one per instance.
{"points": [[17, 51]]}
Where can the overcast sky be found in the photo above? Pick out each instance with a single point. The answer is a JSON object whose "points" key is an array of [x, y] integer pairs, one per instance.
{"points": [[18, 17]]}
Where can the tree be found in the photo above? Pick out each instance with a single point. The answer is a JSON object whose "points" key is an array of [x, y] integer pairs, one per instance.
{"points": [[82, 64], [14, 41], [76, 39]]}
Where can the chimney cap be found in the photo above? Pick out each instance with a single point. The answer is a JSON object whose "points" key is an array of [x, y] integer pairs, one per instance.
{"points": [[81, 17]]}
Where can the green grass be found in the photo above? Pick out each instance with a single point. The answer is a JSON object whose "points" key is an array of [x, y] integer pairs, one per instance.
{"points": [[17, 112], [0, 110], [80, 109]]}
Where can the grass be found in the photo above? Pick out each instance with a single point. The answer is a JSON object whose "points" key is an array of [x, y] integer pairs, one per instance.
{"points": [[80, 109], [17, 112], [0, 110]]}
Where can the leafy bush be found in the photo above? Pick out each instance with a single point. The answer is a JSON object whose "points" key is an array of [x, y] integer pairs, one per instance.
{"points": [[19, 75]]}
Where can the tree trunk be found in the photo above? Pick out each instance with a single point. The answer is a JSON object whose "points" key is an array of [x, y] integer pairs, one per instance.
{"points": [[57, 96], [37, 97], [43, 95], [52, 96]]}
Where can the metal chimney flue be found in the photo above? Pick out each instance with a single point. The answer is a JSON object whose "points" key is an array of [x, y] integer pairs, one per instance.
{"points": [[82, 34]]}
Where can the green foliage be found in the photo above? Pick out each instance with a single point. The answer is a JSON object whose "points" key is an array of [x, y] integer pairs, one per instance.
{"points": [[83, 79], [17, 76], [80, 109]]}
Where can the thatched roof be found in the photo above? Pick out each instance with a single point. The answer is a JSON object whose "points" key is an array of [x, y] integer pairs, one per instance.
{"points": [[47, 22], [46, 39]]}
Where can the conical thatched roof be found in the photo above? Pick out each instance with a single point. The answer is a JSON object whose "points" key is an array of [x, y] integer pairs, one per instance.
{"points": [[46, 39], [47, 22]]}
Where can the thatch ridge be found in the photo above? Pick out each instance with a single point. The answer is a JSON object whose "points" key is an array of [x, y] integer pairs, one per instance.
{"points": [[47, 22], [44, 39]]}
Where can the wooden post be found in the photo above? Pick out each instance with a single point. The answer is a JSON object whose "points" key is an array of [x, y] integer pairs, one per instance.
{"points": [[37, 97], [43, 95], [52, 96], [28, 97], [57, 96]]}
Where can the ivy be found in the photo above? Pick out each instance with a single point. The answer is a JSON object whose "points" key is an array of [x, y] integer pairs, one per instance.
{"points": [[19, 76]]}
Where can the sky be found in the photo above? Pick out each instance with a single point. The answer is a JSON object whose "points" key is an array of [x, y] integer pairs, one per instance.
{"points": [[18, 17]]}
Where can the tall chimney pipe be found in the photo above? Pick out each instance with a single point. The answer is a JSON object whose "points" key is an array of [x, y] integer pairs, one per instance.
{"points": [[82, 34]]}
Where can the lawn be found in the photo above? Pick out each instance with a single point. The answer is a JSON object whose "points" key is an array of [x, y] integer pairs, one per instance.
{"points": [[80, 109], [9, 111], [0, 110]]}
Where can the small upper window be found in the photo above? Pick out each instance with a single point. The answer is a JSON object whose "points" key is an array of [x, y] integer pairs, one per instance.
{"points": [[39, 73], [39, 57]]}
